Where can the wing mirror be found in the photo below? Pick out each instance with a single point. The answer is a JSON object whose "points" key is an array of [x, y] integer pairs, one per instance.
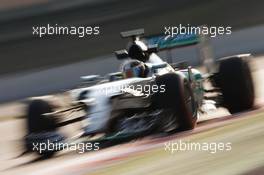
{"points": [[115, 76], [180, 65], [90, 78], [154, 67], [121, 54]]}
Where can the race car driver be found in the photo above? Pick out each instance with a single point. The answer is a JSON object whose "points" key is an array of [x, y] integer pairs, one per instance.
{"points": [[134, 68]]}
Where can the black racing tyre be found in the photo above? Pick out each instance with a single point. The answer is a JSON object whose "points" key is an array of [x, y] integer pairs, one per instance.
{"points": [[38, 124], [178, 96], [236, 83], [36, 121]]}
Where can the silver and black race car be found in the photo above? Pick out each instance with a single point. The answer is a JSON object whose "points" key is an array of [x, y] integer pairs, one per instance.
{"points": [[148, 96]]}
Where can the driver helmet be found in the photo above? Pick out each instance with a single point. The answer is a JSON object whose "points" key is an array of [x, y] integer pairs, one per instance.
{"points": [[134, 68]]}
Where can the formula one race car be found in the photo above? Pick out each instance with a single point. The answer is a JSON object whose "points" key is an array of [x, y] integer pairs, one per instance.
{"points": [[147, 96]]}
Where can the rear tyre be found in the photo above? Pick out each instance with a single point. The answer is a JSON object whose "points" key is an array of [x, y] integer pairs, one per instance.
{"points": [[39, 124], [179, 98], [236, 83]]}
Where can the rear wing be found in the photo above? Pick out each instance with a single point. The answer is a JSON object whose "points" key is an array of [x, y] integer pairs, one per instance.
{"points": [[166, 42], [132, 33]]}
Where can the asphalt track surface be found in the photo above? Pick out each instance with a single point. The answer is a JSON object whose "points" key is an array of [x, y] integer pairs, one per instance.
{"points": [[147, 155]]}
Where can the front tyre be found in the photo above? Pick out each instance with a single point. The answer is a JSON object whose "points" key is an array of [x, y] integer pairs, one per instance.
{"points": [[179, 98]]}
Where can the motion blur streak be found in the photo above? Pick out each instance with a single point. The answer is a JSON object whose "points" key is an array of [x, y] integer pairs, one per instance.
{"points": [[33, 66], [17, 45], [242, 130]]}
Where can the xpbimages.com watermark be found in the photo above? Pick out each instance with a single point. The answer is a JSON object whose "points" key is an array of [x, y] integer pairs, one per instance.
{"points": [[42, 147], [79, 31], [211, 147], [136, 90], [212, 31]]}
